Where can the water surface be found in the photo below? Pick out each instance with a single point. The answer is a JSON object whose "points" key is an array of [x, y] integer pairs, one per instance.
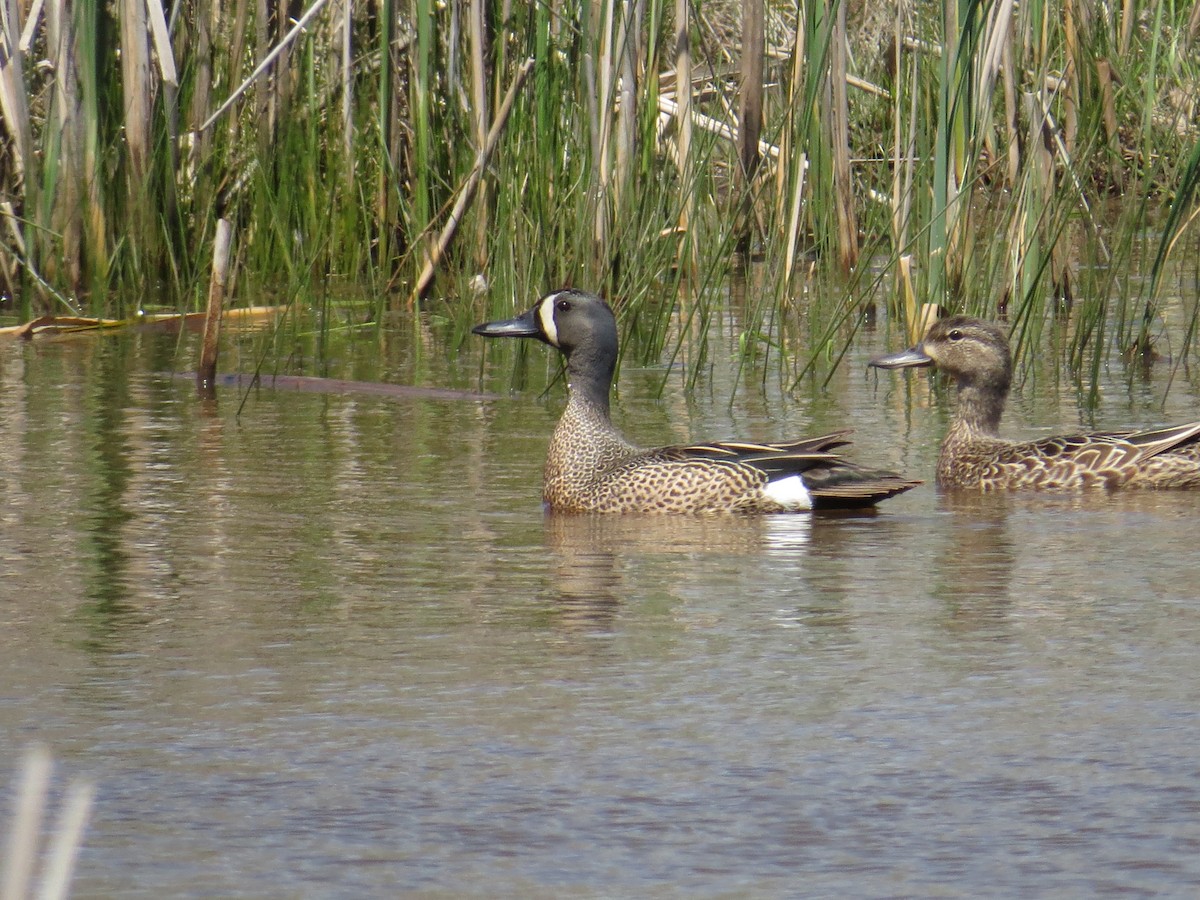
{"points": [[332, 647]]}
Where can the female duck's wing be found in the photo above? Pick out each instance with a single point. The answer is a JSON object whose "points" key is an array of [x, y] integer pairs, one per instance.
{"points": [[1111, 458], [1177, 439]]}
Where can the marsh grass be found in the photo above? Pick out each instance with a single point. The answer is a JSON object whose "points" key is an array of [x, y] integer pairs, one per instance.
{"points": [[956, 152]]}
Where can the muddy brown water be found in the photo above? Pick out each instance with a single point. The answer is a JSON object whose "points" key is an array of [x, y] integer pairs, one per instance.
{"points": [[334, 648]]}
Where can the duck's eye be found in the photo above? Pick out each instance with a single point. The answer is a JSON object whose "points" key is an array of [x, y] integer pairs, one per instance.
{"points": [[563, 305], [955, 335]]}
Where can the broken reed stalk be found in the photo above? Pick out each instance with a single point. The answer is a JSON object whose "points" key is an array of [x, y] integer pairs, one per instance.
{"points": [[714, 126], [206, 372], [467, 192]]}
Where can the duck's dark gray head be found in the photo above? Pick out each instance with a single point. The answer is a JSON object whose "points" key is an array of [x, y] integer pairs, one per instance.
{"points": [[568, 319], [973, 351], [581, 326]]}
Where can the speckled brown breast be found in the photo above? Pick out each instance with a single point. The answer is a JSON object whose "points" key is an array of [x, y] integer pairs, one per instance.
{"points": [[590, 468]]}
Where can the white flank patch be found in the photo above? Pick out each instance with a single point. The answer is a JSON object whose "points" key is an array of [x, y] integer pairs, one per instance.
{"points": [[546, 317], [789, 492]]}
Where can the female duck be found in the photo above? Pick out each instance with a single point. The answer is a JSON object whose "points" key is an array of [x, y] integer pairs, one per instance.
{"points": [[976, 354], [590, 467]]}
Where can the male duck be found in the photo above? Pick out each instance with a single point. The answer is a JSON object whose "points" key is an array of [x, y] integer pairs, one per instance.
{"points": [[590, 467], [973, 455]]}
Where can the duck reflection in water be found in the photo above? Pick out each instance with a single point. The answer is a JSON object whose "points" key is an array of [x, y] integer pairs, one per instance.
{"points": [[596, 557], [973, 574]]}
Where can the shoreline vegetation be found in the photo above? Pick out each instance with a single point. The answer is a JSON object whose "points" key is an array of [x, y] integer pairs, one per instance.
{"points": [[460, 157]]}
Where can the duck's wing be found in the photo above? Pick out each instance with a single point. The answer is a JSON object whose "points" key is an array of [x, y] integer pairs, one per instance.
{"points": [[844, 485], [1119, 447], [832, 481], [1112, 458], [747, 450], [1178, 439]]}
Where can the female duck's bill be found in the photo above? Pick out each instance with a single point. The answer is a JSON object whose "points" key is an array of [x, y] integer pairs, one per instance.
{"points": [[913, 357]]}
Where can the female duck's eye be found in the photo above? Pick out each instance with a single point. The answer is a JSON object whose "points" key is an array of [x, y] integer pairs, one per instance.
{"points": [[955, 335]]}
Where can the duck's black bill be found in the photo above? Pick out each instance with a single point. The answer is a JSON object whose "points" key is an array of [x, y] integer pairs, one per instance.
{"points": [[905, 359], [524, 325]]}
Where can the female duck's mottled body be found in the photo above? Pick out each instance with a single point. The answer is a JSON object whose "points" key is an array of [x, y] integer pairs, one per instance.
{"points": [[590, 467], [973, 455]]}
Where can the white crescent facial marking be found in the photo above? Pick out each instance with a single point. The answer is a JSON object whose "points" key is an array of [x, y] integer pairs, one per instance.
{"points": [[789, 492], [546, 317]]}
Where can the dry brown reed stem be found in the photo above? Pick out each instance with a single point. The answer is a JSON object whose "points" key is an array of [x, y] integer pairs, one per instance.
{"points": [[480, 118], [389, 139], [1071, 75], [750, 108], [262, 96], [1108, 105], [206, 371], [793, 217], [67, 201], [467, 192], [201, 86], [918, 320], [603, 132], [348, 164], [13, 91], [839, 127], [903, 148], [997, 54], [135, 85], [1012, 121], [798, 168], [627, 53], [1129, 19], [683, 120], [237, 51], [160, 34]]}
